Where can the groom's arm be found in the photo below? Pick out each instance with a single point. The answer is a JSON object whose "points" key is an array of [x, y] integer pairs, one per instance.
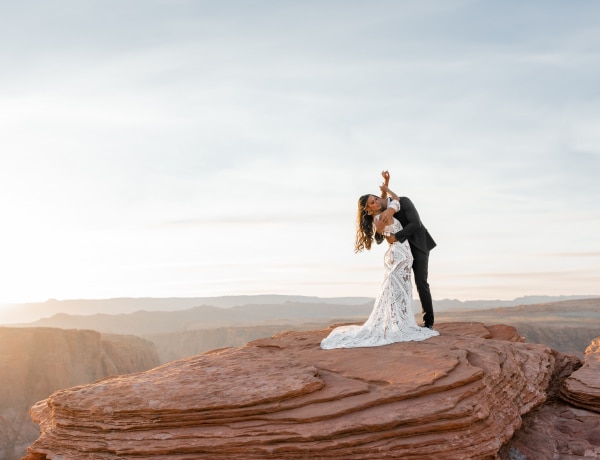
{"points": [[385, 219], [412, 216], [381, 223]]}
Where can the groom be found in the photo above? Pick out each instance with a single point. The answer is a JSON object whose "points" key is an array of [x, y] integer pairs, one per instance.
{"points": [[420, 242]]}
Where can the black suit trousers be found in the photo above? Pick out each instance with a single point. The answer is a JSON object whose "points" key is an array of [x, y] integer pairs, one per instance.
{"points": [[421, 272]]}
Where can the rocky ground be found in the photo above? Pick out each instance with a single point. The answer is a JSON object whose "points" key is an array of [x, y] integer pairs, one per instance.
{"points": [[461, 395]]}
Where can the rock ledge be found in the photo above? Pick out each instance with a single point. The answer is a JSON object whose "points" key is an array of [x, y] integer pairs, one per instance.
{"points": [[459, 395]]}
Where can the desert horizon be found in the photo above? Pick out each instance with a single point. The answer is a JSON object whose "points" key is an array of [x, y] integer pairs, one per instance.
{"points": [[24, 312]]}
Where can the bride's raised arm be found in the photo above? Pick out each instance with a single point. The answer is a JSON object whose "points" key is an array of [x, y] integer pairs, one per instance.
{"points": [[386, 190], [386, 181]]}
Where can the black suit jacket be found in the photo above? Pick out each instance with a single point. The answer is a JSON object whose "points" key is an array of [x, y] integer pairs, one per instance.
{"points": [[413, 229]]}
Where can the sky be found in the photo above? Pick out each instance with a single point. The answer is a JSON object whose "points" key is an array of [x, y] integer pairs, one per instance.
{"points": [[183, 148]]}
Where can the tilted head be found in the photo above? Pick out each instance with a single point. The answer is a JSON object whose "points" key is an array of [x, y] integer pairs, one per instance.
{"points": [[368, 206]]}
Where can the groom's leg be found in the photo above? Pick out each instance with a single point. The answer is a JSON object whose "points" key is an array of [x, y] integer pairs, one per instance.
{"points": [[420, 269]]}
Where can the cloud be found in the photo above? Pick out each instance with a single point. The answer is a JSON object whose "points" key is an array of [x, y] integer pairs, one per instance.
{"points": [[195, 130], [574, 254]]}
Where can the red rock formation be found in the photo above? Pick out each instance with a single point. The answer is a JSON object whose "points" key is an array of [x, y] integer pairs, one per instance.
{"points": [[457, 396], [582, 388], [35, 362], [555, 431]]}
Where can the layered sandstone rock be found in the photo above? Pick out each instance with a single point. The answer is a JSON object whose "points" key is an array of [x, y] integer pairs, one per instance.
{"points": [[582, 388], [35, 362], [555, 431], [457, 396]]}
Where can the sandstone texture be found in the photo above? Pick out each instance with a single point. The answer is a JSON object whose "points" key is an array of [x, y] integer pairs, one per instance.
{"points": [[461, 395], [555, 431], [582, 388], [35, 362]]}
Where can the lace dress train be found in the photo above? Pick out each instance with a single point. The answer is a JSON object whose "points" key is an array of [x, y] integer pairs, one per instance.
{"points": [[392, 319]]}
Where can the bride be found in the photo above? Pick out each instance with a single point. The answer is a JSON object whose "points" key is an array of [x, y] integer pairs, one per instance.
{"points": [[392, 319]]}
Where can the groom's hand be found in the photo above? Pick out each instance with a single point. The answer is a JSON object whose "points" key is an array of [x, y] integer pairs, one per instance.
{"points": [[391, 239], [380, 225]]}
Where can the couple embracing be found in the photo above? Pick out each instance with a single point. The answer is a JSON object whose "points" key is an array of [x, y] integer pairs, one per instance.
{"points": [[396, 220]]}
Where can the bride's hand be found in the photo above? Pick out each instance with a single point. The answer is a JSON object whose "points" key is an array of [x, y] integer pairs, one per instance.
{"points": [[384, 188], [386, 177]]}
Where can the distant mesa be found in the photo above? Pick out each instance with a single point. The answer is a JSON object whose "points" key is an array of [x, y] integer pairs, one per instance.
{"points": [[567, 326], [20, 314]]}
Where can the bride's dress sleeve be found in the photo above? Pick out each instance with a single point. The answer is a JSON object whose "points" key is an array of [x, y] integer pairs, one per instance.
{"points": [[390, 229]]}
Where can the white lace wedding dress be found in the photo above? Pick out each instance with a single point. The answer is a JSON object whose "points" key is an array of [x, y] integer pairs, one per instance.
{"points": [[392, 319]]}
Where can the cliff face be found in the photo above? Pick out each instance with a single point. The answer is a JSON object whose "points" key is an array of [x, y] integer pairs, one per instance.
{"points": [[572, 340], [582, 388], [565, 428], [35, 362], [457, 396]]}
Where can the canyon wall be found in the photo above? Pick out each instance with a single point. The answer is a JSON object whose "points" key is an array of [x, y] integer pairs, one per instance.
{"points": [[35, 362]]}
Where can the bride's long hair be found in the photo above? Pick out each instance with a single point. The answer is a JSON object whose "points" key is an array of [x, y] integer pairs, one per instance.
{"points": [[364, 225]]}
